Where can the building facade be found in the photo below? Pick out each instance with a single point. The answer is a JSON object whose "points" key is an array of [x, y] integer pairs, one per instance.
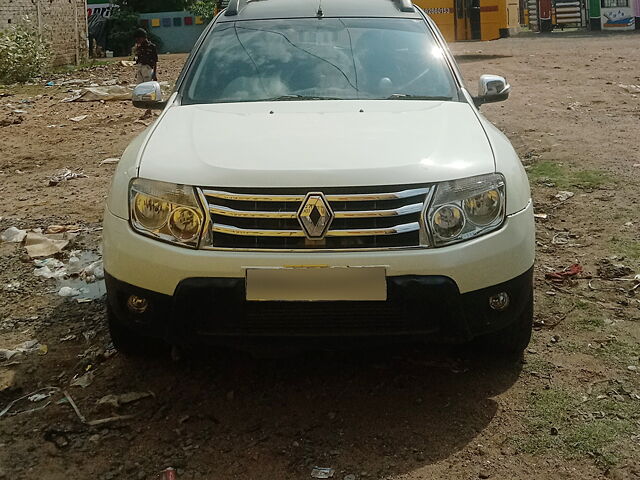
{"points": [[460, 20], [63, 23]]}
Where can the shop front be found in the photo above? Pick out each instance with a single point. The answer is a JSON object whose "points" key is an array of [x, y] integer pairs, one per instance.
{"points": [[461, 20], [618, 15]]}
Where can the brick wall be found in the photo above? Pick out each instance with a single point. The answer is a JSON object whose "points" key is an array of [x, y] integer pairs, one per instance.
{"points": [[63, 23]]}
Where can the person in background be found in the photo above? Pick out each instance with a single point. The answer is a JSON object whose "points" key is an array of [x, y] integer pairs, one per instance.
{"points": [[146, 55]]}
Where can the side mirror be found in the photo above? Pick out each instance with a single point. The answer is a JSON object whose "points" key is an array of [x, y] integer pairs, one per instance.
{"points": [[148, 95], [492, 88]]}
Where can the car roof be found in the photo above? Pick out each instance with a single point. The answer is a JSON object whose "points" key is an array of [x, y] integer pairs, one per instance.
{"points": [[271, 9]]}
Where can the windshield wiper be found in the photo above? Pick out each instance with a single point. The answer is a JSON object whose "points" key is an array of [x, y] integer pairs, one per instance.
{"points": [[282, 98], [406, 96]]}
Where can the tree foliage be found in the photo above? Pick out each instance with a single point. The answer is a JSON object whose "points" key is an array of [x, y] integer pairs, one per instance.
{"points": [[204, 8], [121, 27], [23, 54]]}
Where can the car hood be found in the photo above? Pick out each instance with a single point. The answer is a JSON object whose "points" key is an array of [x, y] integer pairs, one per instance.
{"points": [[317, 144]]}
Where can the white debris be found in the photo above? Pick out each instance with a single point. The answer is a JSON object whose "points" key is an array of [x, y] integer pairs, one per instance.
{"points": [[74, 266], [38, 397], [25, 347], [93, 272], [96, 94], [49, 268], [563, 196], [64, 175], [84, 381], [39, 245], [68, 292], [322, 472], [116, 401], [75, 81], [12, 286], [630, 88], [79, 118], [13, 234], [109, 161]]}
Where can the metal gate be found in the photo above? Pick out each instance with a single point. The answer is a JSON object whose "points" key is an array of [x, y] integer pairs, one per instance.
{"points": [[546, 15], [571, 13]]}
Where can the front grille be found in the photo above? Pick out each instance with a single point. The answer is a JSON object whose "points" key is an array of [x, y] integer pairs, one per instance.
{"points": [[371, 217]]}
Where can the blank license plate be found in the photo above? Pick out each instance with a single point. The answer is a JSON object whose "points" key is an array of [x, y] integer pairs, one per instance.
{"points": [[316, 284]]}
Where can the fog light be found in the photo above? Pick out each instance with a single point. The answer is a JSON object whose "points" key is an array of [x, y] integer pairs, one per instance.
{"points": [[499, 301], [137, 304]]}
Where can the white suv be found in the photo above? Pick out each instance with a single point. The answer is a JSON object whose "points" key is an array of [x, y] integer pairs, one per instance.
{"points": [[320, 172]]}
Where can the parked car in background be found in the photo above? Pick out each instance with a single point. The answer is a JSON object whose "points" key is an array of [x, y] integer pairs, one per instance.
{"points": [[320, 172]]}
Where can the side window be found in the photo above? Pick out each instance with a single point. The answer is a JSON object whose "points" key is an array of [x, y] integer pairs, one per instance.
{"points": [[614, 3]]}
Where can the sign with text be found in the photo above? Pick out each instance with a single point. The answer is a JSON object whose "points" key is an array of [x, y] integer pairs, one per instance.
{"points": [[101, 9]]}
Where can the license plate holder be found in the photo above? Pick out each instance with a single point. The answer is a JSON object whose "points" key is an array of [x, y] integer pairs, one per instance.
{"points": [[316, 284]]}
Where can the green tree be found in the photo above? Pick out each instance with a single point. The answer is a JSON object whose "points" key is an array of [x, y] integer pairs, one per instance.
{"points": [[121, 27], [204, 8]]}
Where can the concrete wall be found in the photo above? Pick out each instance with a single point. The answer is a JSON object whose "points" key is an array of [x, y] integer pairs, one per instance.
{"points": [[63, 23], [178, 30]]}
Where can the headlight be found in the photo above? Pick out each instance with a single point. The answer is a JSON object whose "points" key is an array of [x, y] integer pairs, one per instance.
{"points": [[463, 209], [166, 211]]}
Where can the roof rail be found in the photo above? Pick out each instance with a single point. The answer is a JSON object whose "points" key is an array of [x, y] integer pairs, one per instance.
{"points": [[404, 5], [234, 7]]}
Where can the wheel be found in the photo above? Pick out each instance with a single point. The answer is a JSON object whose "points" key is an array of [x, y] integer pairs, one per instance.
{"points": [[129, 342], [511, 342]]}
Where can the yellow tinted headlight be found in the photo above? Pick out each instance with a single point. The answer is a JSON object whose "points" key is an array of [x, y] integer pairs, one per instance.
{"points": [[448, 221], [166, 211], [152, 213], [184, 223], [483, 209], [466, 208]]}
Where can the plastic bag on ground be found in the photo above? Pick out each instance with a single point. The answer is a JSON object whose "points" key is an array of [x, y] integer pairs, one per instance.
{"points": [[13, 234]]}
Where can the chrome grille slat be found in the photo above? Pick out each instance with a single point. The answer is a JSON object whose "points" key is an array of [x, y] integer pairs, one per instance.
{"points": [[254, 232], [395, 212], [230, 212], [378, 196], [363, 197], [247, 197], [378, 217]]}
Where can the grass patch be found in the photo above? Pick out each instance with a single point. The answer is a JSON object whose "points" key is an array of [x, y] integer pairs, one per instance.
{"points": [[537, 364], [587, 315], [547, 171], [617, 351], [598, 428], [627, 247], [83, 66]]}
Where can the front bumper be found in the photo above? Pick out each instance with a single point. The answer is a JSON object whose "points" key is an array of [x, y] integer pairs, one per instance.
{"points": [[418, 307], [472, 265]]}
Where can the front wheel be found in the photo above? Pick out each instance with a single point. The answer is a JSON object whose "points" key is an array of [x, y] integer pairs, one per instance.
{"points": [[514, 339]]}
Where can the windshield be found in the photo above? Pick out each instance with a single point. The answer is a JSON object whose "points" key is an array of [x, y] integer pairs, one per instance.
{"points": [[330, 58]]}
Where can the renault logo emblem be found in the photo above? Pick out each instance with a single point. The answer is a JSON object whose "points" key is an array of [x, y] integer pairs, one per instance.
{"points": [[315, 215]]}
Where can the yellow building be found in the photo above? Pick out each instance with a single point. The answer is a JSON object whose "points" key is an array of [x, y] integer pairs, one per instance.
{"points": [[473, 19]]}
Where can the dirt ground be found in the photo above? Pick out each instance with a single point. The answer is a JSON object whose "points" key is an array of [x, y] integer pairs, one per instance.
{"points": [[570, 410]]}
